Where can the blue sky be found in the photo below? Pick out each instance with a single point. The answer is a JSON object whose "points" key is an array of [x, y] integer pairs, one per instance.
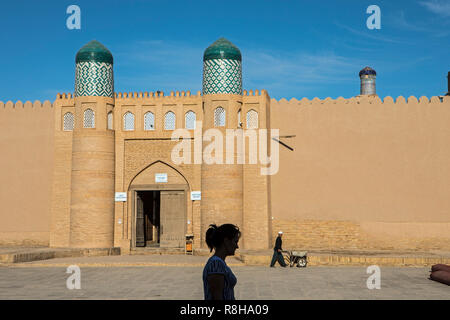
{"points": [[290, 48]]}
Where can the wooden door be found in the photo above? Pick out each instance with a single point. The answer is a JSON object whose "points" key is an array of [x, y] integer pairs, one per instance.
{"points": [[172, 221], [140, 234]]}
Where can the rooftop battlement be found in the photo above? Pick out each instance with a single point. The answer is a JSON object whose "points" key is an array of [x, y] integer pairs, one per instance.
{"points": [[159, 94], [367, 100], [19, 105], [304, 101], [254, 93]]}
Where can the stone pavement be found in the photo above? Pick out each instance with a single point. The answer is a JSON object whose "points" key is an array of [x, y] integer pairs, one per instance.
{"points": [[25, 254], [9, 255], [140, 277], [154, 260]]}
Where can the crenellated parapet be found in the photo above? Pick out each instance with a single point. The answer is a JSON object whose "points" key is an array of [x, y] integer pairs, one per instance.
{"points": [[64, 95], [371, 100], [254, 92], [155, 95], [28, 105]]}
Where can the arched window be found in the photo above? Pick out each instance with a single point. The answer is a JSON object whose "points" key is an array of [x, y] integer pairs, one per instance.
{"points": [[219, 117], [68, 121], [110, 120], [149, 121], [252, 119], [169, 121], [128, 121], [189, 120], [89, 118]]}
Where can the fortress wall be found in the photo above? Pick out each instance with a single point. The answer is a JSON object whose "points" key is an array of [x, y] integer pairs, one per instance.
{"points": [[364, 173], [256, 187], [26, 166], [61, 191]]}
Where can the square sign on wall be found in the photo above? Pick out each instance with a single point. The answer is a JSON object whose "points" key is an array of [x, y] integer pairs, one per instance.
{"points": [[121, 197], [196, 195], [160, 177]]}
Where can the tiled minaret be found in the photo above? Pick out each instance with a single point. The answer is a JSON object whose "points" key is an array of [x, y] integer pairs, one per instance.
{"points": [[368, 78], [92, 179], [222, 184], [222, 68]]}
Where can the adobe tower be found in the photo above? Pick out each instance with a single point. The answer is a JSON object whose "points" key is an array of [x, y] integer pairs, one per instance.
{"points": [[92, 177], [222, 183]]}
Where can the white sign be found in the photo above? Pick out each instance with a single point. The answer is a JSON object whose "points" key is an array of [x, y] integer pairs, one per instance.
{"points": [[121, 196], [160, 177], [196, 195]]}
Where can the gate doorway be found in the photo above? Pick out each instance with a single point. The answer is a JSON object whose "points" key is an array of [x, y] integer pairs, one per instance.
{"points": [[160, 218], [148, 218]]}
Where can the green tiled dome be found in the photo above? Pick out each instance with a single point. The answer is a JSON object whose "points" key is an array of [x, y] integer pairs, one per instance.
{"points": [[94, 51], [222, 49], [94, 71], [222, 68]]}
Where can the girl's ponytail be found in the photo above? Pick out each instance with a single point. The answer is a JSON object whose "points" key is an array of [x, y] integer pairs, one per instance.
{"points": [[211, 237]]}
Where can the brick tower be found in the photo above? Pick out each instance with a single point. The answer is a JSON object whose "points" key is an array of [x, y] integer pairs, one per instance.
{"points": [[92, 178], [222, 183]]}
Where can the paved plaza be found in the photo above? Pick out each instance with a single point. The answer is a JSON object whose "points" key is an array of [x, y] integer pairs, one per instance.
{"points": [[145, 277]]}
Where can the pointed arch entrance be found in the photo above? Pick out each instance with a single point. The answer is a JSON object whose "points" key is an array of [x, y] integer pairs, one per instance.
{"points": [[159, 207]]}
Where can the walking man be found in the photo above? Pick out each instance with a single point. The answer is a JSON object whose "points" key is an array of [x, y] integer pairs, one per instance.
{"points": [[277, 255]]}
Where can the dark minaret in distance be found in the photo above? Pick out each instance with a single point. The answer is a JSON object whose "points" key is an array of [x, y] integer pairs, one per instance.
{"points": [[368, 78]]}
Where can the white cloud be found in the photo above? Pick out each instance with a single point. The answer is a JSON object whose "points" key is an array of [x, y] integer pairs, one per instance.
{"points": [[369, 34], [297, 74], [439, 7], [402, 22], [166, 66], [298, 67]]}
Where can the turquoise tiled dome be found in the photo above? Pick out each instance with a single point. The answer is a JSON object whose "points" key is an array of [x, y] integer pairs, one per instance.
{"points": [[94, 71], [222, 49], [94, 51], [222, 68]]}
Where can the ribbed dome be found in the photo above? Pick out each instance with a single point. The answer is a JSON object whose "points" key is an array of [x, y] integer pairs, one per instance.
{"points": [[222, 49], [94, 51], [367, 71]]}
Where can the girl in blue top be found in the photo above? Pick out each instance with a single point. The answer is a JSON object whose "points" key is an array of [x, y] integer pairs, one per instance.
{"points": [[218, 279]]}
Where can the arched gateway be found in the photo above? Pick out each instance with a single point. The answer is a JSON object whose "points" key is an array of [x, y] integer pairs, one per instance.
{"points": [[158, 207]]}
